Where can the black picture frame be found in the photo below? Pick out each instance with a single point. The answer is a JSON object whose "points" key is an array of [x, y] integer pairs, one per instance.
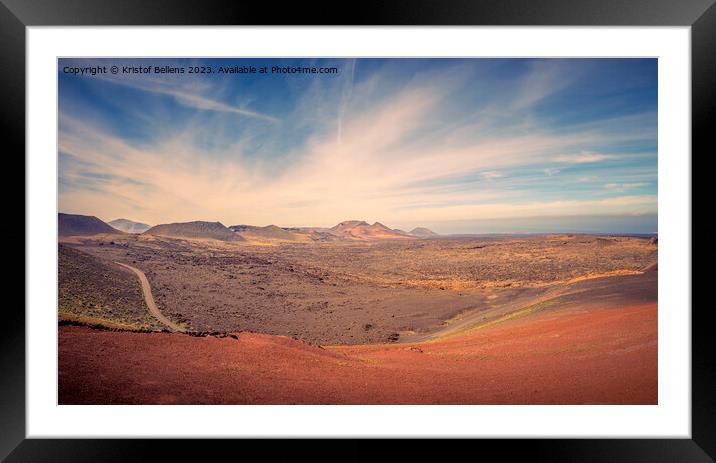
{"points": [[16, 15]]}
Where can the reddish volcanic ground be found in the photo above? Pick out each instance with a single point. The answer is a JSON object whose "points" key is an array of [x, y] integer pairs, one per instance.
{"points": [[579, 354]]}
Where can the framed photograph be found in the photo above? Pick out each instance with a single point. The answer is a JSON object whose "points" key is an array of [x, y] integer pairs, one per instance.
{"points": [[242, 222]]}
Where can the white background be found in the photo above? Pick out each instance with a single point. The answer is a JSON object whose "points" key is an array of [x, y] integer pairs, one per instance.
{"points": [[670, 418]]}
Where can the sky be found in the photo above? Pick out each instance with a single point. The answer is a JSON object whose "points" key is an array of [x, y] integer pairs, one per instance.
{"points": [[456, 145]]}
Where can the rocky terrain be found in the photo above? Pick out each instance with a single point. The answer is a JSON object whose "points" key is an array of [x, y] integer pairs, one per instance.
{"points": [[551, 319], [359, 291]]}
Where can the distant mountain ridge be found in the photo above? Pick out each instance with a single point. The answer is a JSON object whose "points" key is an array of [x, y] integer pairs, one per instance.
{"points": [[196, 229], [129, 226], [422, 232], [70, 224], [80, 225]]}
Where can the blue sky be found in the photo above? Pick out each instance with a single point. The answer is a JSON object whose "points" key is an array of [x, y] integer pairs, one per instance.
{"points": [[458, 145]]}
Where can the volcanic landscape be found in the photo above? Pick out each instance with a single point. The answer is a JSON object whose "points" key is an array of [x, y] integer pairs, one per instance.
{"points": [[359, 313]]}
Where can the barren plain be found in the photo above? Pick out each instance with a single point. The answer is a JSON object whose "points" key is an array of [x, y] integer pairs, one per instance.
{"points": [[472, 320], [347, 292]]}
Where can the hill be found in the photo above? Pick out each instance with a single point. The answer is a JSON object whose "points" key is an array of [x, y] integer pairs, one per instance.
{"points": [[269, 232], [195, 230], [129, 226], [77, 225], [359, 229], [347, 226], [422, 232]]}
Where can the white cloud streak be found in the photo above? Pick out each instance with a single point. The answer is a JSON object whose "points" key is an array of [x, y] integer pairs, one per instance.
{"points": [[623, 187], [550, 171], [187, 96], [372, 169], [583, 158]]}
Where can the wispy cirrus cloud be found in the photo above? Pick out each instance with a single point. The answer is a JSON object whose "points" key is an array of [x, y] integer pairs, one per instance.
{"points": [[550, 171], [583, 158], [423, 152], [623, 187], [199, 102], [491, 174], [184, 89]]}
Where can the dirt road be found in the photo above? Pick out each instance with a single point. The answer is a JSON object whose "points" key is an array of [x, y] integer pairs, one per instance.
{"points": [[149, 299]]}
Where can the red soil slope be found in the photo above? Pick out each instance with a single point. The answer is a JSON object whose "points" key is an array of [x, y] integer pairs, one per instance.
{"points": [[577, 355]]}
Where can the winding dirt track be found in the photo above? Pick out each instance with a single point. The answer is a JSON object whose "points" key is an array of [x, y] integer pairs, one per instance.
{"points": [[149, 299]]}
